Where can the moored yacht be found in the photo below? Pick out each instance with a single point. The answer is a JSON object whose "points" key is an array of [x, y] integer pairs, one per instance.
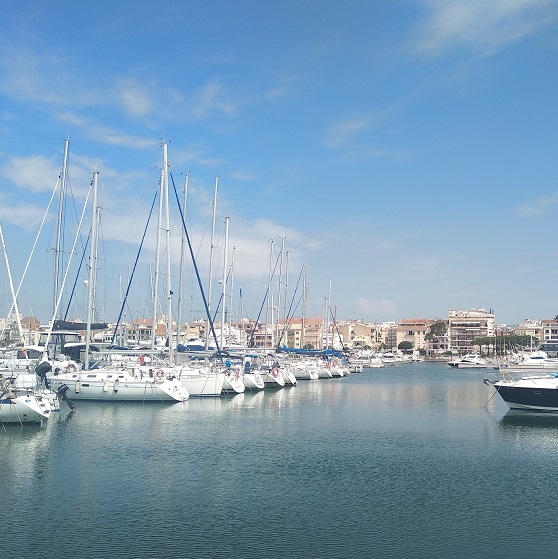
{"points": [[529, 393], [116, 384], [22, 406], [469, 361]]}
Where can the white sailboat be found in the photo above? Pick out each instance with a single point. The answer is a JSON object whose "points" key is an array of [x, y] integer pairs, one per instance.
{"points": [[20, 406], [106, 382]]}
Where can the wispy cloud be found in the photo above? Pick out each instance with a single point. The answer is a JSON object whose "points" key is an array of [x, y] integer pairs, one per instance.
{"points": [[283, 88], [482, 26], [106, 135], [35, 173], [340, 133], [540, 206], [24, 215], [376, 308], [211, 99]]}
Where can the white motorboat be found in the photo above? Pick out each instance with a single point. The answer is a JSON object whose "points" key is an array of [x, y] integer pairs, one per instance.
{"points": [[535, 362], [529, 393], [365, 360], [22, 406], [469, 361]]}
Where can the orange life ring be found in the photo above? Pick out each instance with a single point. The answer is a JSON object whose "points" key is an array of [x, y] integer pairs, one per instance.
{"points": [[159, 376], [274, 371]]}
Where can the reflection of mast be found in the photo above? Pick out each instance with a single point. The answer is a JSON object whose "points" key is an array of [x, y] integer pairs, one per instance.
{"points": [[58, 246]]}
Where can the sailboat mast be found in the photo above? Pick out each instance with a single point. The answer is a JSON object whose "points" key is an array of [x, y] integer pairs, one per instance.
{"points": [[167, 238], [211, 263], [181, 271], [232, 291], [92, 269], [58, 245], [302, 341], [157, 257], [224, 282], [18, 317]]}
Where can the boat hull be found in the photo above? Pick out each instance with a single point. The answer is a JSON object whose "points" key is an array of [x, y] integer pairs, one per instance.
{"points": [[525, 395], [118, 386], [24, 409]]}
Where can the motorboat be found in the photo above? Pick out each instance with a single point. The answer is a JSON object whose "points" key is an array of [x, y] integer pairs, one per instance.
{"points": [[469, 361], [529, 393], [534, 362]]}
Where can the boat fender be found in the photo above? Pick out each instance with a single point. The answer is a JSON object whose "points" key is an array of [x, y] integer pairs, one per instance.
{"points": [[159, 376]]}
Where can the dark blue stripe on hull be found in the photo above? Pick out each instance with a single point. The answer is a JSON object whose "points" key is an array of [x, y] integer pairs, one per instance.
{"points": [[534, 398]]}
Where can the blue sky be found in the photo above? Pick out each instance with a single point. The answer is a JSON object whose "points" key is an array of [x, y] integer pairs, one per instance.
{"points": [[404, 151]]}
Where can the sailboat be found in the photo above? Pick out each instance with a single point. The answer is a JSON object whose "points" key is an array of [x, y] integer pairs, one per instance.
{"points": [[17, 406], [113, 383], [22, 400]]}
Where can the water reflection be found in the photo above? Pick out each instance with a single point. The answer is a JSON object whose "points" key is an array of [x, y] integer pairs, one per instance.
{"points": [[527, 419]]}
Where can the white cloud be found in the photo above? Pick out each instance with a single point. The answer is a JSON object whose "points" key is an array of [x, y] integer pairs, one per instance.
{"points": [[483, 26], [26, 216], [35, 173], [342, 132], [135, 97], [541, 206], [378, 309], [211, 99]]}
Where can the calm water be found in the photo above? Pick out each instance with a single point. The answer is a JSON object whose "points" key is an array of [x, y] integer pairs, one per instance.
{"points": [[400, 462]]}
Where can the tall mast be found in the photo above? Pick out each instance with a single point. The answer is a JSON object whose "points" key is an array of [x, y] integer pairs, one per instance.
{"points": [[58, 245], [157, 257], [167, 238], [279, 290], [224, 282], [211, 262], [181, 271], [18, 317], [232, 291], [92, 269], [302, 341], [269, 298]]}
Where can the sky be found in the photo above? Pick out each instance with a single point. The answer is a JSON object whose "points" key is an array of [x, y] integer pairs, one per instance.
{"points": [[396, 158]]}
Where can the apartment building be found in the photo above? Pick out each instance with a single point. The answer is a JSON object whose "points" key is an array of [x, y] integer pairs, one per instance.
{"points": [[464, 327]]}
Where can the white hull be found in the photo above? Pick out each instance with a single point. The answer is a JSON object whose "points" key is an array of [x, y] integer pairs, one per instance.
{"points": [[273, 378], [324, 372], [202, 384], [234, 382], [253, 381], [24, 409], [119, 385]]}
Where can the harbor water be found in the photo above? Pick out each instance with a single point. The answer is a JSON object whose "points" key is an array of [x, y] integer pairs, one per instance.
{"points": [[410, 461]]}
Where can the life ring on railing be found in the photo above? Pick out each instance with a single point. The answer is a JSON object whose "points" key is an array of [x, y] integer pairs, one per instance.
{"points": [[274, 372], [71, 368], [159, 376]]}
